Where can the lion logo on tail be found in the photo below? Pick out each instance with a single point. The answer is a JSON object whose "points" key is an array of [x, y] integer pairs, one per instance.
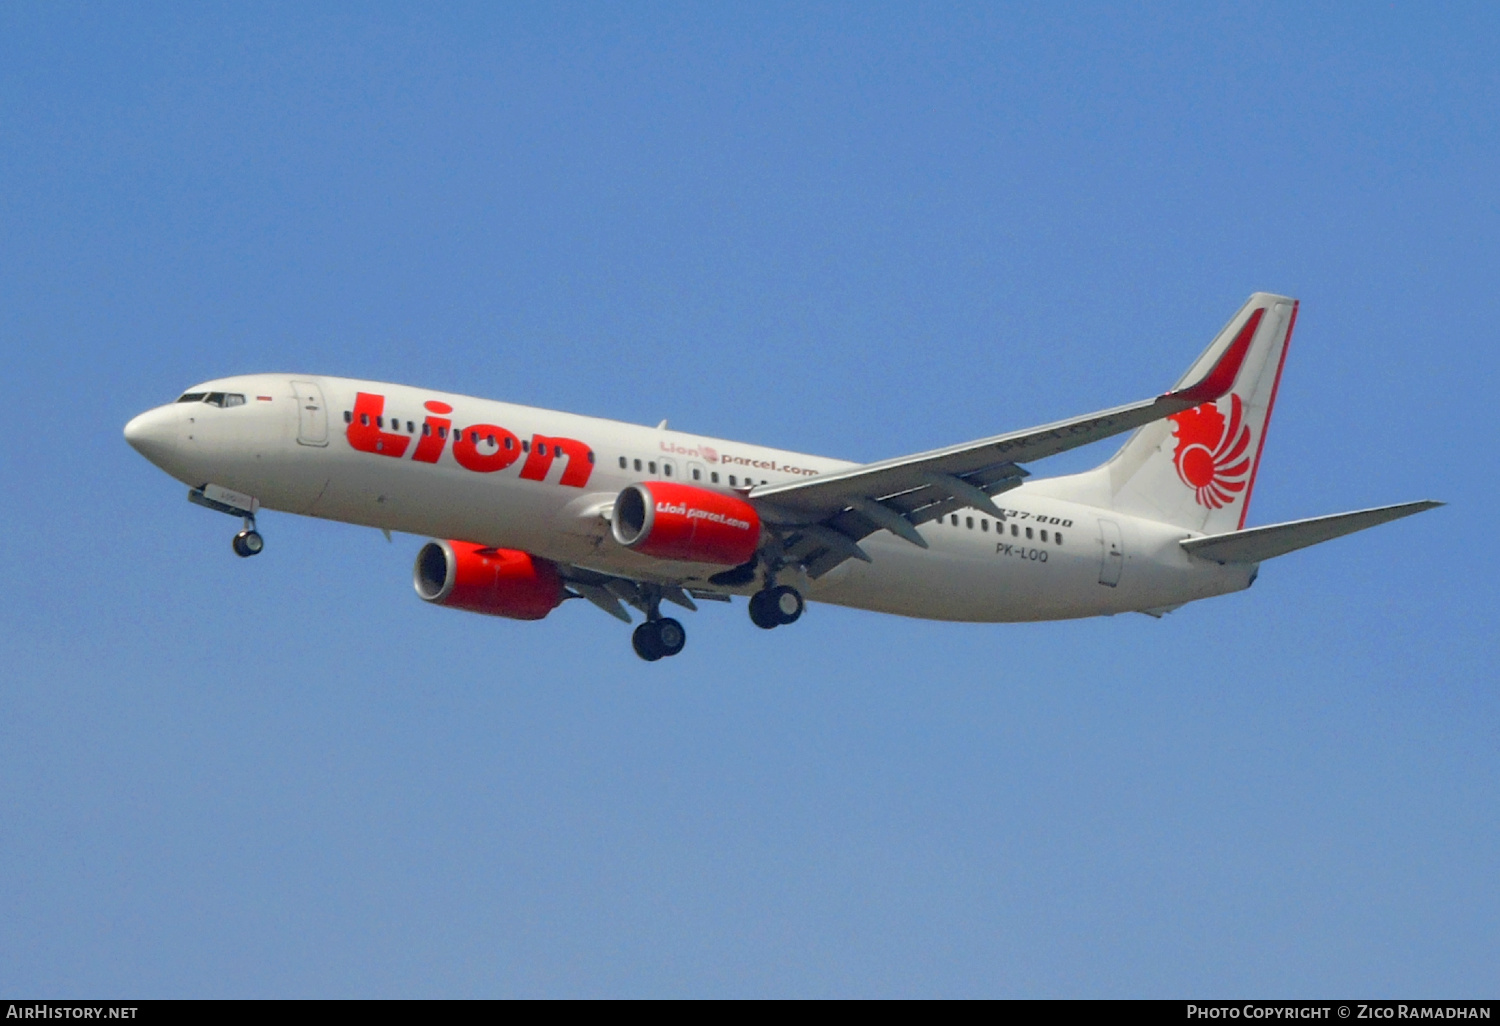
{"points": [[1211, 456]]}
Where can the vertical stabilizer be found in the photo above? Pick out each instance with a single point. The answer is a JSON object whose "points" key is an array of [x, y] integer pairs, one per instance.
{"points": [[1196, 469]]}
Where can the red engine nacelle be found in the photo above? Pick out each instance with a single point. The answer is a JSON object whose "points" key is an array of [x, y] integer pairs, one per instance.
{"points": [[678, 521], [500, 582]]}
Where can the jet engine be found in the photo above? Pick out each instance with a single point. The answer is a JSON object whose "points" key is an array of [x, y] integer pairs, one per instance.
{"points": [[500, 582], [679, 521]]}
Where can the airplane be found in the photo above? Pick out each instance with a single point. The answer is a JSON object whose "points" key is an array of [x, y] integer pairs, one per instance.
{"points": [[529, 507]]}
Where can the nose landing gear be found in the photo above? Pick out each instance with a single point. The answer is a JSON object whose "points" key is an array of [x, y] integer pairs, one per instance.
{"points": [[248, 542], [775, 607], [211, 496]]}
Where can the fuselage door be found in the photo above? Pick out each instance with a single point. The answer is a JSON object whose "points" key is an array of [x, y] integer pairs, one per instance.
{"points": [[312, 414], [1111, 553]]}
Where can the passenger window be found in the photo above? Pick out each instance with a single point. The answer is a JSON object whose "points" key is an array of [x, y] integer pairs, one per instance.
{"points": [[380, 422], [591, 456], [697, 474], [969, 522], [1028, 534], [1057, 538], [411, 428], [526, 446], [473, 437], [651, 466], [426, 429], [1044, 535], [348, 417], [713, 476], [541, 448], [666, 469], [955, 520], [637, 466], [510, 443], [731, 481], [984, 525], [491, 440], [364, 420], [623, 464], [1015, 531], [443, 432]]}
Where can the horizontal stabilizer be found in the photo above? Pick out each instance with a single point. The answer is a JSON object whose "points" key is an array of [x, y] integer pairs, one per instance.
{"points": [[1261, 543]]}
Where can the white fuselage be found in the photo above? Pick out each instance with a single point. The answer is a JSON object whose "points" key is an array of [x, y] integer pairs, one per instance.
{"points": [[289, 445]]}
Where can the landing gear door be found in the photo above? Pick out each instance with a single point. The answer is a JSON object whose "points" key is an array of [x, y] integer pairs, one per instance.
{"points": [[312, 414], [1111, 553]]}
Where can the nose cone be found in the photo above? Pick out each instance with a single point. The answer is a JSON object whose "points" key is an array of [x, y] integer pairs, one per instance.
{"points": [[154, 434]]}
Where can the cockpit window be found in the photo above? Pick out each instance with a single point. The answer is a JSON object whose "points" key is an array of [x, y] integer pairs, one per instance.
{"points": [[221, 399]]}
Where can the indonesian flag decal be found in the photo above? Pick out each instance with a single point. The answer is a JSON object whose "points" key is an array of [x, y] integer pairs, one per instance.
{"points": [[1212, 457]]}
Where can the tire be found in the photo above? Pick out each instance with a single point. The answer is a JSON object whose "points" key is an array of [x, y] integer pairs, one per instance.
{"points": [[254, 542], [247, 544], [786, 603], [671, 636], [763, 612], [647, 643]]}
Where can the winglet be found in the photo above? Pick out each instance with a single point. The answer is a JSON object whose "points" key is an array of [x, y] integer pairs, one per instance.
{"points": [[1220, 377]]}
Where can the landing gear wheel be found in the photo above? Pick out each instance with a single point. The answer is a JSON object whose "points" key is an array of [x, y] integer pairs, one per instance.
{"points": [[670, 635], [248, 543], [645, 642], [787, 603], [773, 607], [763, 612], [657, 639]]}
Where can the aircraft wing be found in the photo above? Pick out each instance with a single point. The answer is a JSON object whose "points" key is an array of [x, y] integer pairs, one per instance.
{"points": [[823, 518]]}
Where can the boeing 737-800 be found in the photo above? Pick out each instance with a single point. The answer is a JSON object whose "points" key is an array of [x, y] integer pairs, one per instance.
{"points": [[531, 507]]}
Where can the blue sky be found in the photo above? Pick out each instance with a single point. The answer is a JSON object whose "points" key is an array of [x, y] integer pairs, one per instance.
{"points": [[857, 230]]}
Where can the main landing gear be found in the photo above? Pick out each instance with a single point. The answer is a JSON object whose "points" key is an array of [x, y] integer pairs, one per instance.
{"points": [[773, 607], [248, 542], [657, 639], [660, 636]]}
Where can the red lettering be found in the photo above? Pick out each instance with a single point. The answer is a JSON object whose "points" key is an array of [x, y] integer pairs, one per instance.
{"points": [[466, 448], [364, 432], [434, 437], [482, 448], [544, 450]]}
